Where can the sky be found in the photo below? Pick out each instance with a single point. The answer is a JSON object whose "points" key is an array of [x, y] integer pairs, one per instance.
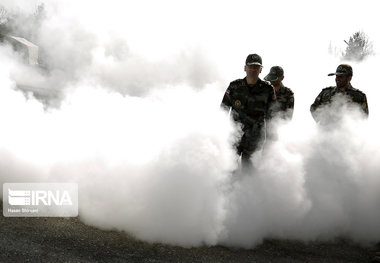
{"points": [[138, 124]]}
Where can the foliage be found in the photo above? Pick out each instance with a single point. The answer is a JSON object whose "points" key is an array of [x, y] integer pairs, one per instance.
{"points": [[358, 47], [3, 20], [21, 24]]}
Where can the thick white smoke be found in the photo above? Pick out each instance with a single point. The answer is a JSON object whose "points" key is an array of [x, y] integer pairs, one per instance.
{"points": [[138, 125], [315, 182]]}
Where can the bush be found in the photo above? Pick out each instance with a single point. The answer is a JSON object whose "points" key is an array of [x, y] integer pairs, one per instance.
{"points": [[358, 47]]}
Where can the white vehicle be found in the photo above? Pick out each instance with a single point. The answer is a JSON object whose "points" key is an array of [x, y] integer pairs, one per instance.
{"points": [[31, 81]]}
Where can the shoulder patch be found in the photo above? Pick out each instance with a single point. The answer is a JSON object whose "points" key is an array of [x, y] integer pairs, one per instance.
{"points": [[364, 106]]}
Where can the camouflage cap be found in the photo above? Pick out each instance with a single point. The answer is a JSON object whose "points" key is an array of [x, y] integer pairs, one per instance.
{"points": [[341, 70], [253, 59], [275, 73]]}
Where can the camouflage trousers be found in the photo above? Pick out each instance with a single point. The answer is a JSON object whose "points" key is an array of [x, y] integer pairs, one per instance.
{"points": [[251, 141]]}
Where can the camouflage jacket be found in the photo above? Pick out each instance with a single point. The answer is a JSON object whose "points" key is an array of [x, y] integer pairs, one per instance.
{"points": [[353, 94], [250, 104], [285, 103]]}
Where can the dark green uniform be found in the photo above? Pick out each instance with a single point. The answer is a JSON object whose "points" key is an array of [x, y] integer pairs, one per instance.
{"points": [[327, 94], [284, 105], [250, 106]]}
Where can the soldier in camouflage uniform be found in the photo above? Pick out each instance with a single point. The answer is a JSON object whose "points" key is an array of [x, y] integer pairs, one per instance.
{"points": [[284, 105], [250, 100], [343, 76]]}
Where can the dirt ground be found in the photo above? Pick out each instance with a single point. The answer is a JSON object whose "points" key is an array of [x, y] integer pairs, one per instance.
{"points": [[31, 239]]}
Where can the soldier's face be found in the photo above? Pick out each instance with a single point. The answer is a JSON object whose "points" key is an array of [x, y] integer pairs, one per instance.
{"points": [[253, 70], [277, 82], [342, 81]]}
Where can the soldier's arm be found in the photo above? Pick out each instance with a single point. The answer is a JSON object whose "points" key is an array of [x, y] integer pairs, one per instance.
{"points": [[365, 105], [227, 104], [227, 101], [290, 109], [315, 105], [271, 100], [360, 98]]}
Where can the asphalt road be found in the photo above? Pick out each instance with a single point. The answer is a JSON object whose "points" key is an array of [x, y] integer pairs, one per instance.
{"points": [[69, 240]]}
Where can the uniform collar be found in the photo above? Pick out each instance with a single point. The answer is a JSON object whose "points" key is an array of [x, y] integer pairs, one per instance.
{"points": [[348, 88], [282, 88], [258, 82]]}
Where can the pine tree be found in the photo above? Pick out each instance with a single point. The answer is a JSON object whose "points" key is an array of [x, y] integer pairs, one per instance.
{"points": [[3, 20], [358, 47]]}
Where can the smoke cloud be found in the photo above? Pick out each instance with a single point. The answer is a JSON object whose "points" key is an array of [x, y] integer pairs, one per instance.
{"points": [[137, 123]]}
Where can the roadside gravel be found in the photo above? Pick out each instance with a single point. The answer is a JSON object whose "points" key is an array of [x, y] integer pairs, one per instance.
{"points": [[69, 240]]}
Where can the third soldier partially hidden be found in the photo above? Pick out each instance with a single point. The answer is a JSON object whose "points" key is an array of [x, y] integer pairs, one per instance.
{"points": [[344, 92], [284, 105]]}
